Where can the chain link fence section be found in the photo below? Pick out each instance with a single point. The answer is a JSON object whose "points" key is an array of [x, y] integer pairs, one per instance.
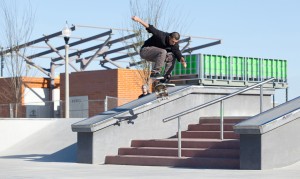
{"points": [[50, 109], [5, 110], [113, 102]]}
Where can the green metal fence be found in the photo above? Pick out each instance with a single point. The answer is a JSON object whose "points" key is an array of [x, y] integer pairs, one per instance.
{"points": [[237, 68]]}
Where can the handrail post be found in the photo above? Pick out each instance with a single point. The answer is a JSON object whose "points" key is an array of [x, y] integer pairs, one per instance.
{"points": [[222, 120], [222, 99], [261, 98], [11, 113], [286, 94], [179, 138], [274, 100], [105, 103]]}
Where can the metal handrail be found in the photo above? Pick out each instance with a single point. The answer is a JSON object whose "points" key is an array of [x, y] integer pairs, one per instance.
{"points": [[221, 100], [216, 100]]}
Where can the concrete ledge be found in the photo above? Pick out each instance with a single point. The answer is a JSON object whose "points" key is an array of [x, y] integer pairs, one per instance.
{"points": [[38, 139], [271, 139], [270, 119], [103, 134], [14, 130], [149, 102]]}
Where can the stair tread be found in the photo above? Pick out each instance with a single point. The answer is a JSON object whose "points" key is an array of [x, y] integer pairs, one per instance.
{"points": [[210, 124], [191, 139], [170, 157], [174, 161], [172, 148], [183, 148], [208, 131]]}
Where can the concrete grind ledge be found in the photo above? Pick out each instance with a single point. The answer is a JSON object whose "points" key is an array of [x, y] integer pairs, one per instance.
{"points": [[104, 133]]}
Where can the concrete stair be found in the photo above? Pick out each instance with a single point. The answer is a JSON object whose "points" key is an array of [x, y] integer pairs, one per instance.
{"points": [[201, 148]]}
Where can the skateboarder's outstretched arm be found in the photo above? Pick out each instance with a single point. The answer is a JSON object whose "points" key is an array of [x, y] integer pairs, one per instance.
{"points": [[137, 19], [160, 34]]}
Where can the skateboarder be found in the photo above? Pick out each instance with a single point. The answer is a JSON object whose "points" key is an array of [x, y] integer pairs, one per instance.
{"points": [[161, 47]]}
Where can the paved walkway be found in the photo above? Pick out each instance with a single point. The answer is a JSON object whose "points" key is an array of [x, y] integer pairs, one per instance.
{"points": [[41, 155], [28, 166]]}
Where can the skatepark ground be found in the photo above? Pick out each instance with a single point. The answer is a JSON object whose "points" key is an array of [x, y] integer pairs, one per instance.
{"points": [[47, 149], [29, 166]]}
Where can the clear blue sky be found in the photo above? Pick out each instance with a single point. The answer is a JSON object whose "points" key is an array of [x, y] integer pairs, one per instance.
{"points": [[256, 28]]}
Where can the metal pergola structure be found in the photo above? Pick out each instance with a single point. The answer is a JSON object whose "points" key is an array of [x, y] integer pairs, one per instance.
{"points": [[108, 46]]}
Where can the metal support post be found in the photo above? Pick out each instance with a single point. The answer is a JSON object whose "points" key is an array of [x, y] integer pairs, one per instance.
{"points": [[67, 111], [105, 103], [11, 112], [2, 61], [261, 98], [179, 138], [274, 100], [52, 87], [286, 94], [222, 120], [57, 52]]}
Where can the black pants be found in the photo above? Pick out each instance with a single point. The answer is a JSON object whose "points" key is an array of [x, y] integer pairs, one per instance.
{"points": [[160, 57]]}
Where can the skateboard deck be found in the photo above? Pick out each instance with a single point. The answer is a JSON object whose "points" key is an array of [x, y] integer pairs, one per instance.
{"points": [[161, 90]]}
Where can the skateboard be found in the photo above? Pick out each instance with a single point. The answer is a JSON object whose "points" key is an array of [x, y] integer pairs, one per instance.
{"points": [[161, 89]]}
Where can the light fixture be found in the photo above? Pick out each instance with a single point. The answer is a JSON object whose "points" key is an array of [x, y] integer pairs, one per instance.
{"points": [[66, 32]]}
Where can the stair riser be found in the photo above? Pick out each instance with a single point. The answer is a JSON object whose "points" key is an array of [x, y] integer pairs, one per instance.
{"points": [[209, 128], [208, 135], [205, 121], [187, 144], [200, 149], [219, 153], [191, 162]]}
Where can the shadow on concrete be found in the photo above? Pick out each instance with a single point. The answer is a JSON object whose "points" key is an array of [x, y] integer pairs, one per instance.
{"points": [[66, 155], [129, 119]]}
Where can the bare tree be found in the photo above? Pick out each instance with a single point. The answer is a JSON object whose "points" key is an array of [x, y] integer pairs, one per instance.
{"points": [[160, 14], [16, 29]]}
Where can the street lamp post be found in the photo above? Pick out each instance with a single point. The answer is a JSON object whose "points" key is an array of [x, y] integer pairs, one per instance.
{"points": [[2, 61], [66, 32]]}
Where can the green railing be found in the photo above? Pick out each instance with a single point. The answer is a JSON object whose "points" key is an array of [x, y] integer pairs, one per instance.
{"points": [[222, 67]]}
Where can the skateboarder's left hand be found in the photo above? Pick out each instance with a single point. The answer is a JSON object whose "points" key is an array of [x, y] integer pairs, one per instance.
{"points": [[183, 62]]}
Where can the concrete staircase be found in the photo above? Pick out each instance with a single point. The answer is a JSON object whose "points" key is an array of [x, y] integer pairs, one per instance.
{"points": [[201, 148]]}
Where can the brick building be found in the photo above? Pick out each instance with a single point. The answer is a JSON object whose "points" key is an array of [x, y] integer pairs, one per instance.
{"points": [[88, 92], [95, 86], [34, 93]]}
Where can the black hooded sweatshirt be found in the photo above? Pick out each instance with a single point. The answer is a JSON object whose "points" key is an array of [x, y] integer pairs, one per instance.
{"points": [[161, 40]]}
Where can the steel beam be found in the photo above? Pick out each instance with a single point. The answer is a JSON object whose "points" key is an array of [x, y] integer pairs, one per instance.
{"points": [[110, 61], [111, 51], [123, 38], [57, 52], [96, 47], [71, 44], [98, 52], [36, 41], [185, 40], [189, 50], [102, 62], [28, 61], [122, 56], [186, 46], [135, 63]]}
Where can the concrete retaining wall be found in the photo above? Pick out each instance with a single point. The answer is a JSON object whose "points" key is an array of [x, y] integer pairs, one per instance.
{"points": [[38, 139], [13, 131], [271, 139], [143, 118]]}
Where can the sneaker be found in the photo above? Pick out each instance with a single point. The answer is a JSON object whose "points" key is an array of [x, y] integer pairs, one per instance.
{"points": [[156, 74], [166, 79], [163, 80]]}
